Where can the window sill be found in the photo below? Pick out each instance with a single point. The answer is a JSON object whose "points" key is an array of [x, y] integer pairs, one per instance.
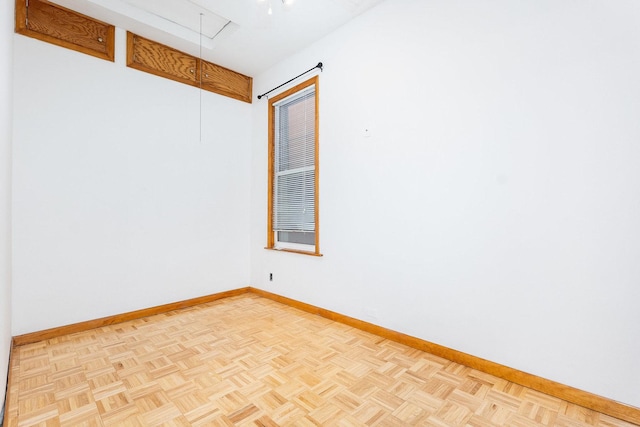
{"points": [[295, 251]]}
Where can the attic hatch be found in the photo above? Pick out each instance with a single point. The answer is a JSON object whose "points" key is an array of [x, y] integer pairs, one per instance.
{"points": [[185, 14]]}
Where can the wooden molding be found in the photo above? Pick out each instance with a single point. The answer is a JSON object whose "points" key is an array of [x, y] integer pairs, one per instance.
{"points": [[226, 82], [119, 318], [295, 251], [160, 60], [55, 24], [316, 162], [164, 61], [7, 397], [270, 170], [570, 394]]}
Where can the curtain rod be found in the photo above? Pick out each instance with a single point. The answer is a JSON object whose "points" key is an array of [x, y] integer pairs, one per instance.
{"points": [[289, 81]]}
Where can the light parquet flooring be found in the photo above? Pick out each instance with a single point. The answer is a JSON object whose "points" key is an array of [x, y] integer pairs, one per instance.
{"points": [[250, 361]]}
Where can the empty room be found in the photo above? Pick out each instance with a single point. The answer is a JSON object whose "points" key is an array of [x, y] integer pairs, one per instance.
{"points": [[306, 212]]}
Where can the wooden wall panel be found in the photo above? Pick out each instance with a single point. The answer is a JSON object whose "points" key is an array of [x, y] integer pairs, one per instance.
{"points": [[164, 61], [63, 27], [161, 60], [226, 82]]}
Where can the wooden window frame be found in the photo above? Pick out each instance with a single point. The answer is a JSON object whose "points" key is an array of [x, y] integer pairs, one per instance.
{"points": [[270, 232], [22, 27]]}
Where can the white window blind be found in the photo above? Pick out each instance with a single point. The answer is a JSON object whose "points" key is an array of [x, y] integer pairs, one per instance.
{"points": [[294, 168]]}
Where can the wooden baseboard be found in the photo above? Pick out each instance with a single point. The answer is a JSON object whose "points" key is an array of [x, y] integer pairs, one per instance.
{"points": [[552, 388], [7, 397], [119, 318], [570, 394]]}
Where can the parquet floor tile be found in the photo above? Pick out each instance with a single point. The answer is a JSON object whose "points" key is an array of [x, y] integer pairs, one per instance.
{"points": [[250, 361]]}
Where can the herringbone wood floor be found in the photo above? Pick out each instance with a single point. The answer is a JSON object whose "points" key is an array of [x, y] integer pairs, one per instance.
{"points": [[249, 361]]}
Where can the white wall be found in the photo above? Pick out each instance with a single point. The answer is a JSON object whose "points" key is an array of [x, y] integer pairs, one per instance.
{"points": [[6, 49], [495, 207], [118, 205]]}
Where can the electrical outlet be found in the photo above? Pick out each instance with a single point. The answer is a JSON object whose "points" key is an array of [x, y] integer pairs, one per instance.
{"points": [[271, 277]]}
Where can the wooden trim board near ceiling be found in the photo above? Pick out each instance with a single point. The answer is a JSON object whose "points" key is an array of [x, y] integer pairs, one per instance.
{"points": [[63, 27], [164, 61], [573, 395]]}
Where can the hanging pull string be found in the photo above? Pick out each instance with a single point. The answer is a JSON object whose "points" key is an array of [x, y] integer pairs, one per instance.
{"points": [[200, 73], [289, 81]]}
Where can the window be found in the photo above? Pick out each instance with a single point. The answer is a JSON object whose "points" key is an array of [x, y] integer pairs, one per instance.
{"points": [[292, 219]]}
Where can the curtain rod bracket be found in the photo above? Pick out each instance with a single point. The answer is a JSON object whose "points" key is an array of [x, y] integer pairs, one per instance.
{"points": [[319, 65]]}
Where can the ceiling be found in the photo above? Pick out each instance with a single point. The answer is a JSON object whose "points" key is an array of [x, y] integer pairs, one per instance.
{"points": [[238, 34]]}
